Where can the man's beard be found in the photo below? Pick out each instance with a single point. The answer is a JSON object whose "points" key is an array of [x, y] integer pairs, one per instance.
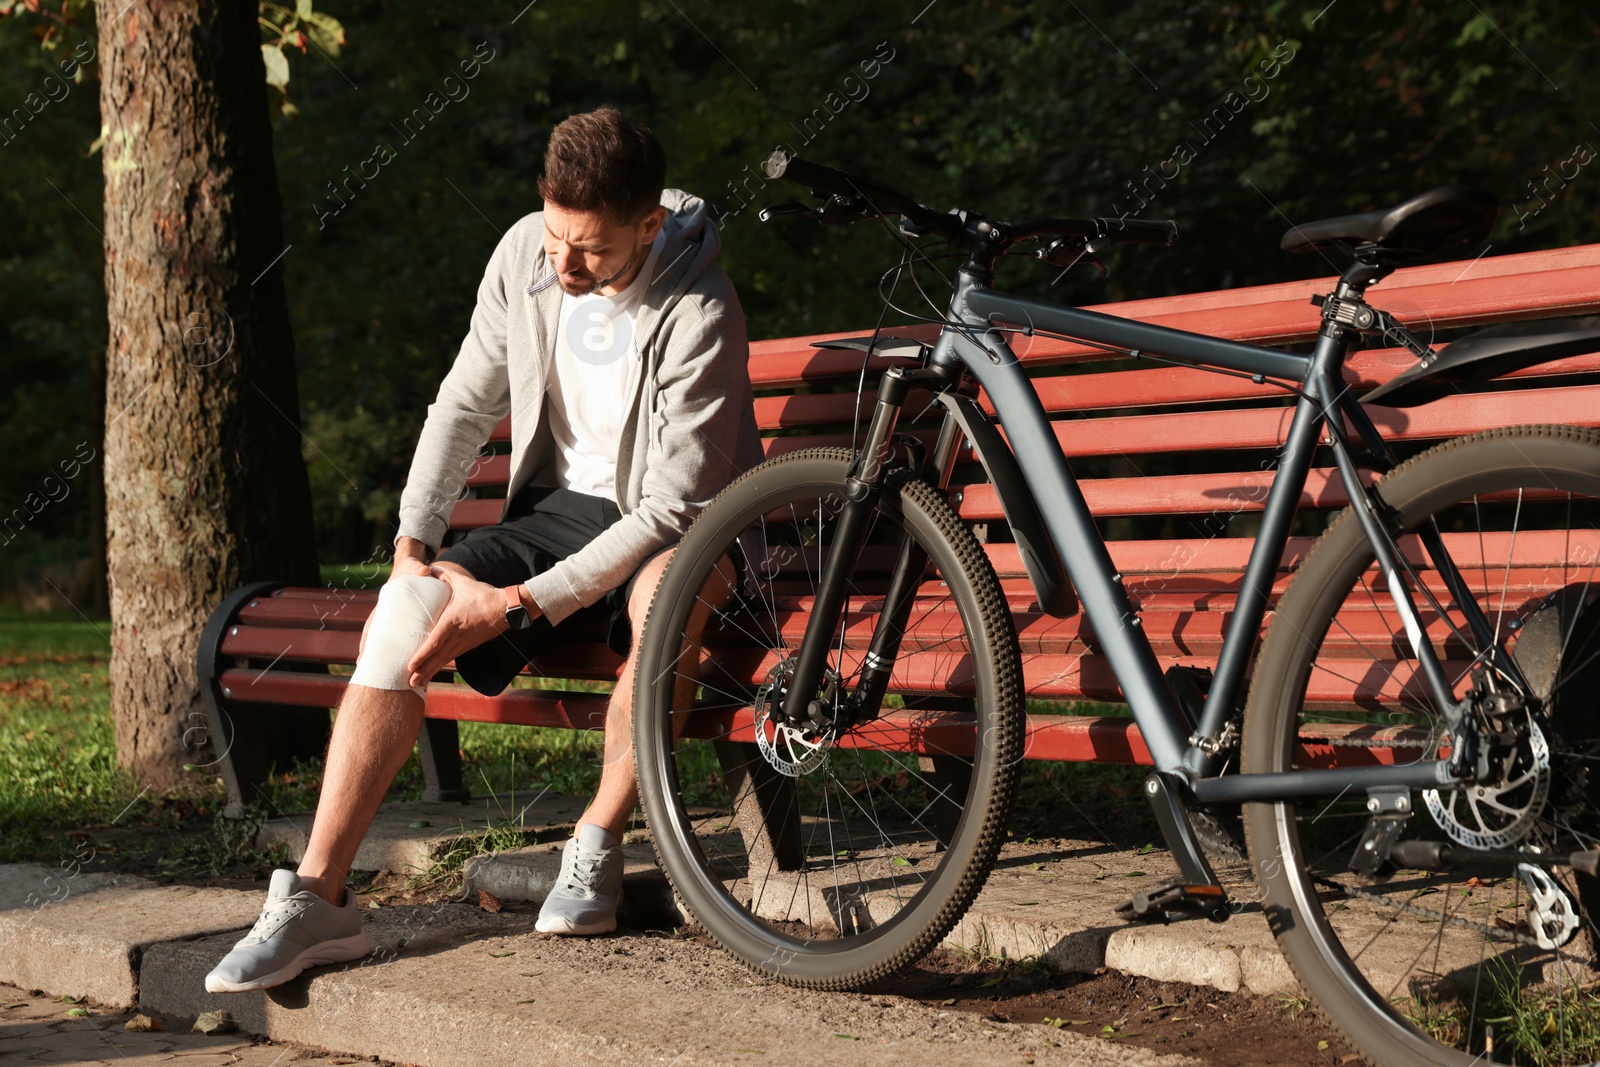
{"points": [[592, 284]]}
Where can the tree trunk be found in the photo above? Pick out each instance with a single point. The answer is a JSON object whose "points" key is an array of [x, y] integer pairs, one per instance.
{"points": [[205, 485]]}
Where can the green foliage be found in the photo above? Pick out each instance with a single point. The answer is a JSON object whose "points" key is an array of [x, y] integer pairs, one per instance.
{"points": [[400, 171], [298, 27]]}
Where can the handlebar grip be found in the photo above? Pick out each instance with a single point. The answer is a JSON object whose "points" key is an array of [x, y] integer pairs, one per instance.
{"points": [[1141, 231], [804, 172]]}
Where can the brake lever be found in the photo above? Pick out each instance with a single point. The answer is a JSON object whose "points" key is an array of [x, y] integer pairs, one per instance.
{"points": [[767, 214], [1068, 252]]}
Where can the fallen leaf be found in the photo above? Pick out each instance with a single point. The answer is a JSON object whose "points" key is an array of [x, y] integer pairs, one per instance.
{"points": [[530, 974], [1322, 1046], [1475, 882], [488, 901], [69, 999], [528, 1001], [999, 977], [947, 1003], [143, 1024], [899, 861], [420, 824], [1146, 850], [501, 955], [18, 1004], [77, 1013], [848, 1037], [373, 905], [213, 1022]]}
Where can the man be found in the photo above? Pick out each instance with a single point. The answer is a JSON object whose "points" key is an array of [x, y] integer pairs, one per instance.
{"points": [[605, 328]]}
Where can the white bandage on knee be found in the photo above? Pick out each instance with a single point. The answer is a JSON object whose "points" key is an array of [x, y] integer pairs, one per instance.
{"points": [[408, 607]]}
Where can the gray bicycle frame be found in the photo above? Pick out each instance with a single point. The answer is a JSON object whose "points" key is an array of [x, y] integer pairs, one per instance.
{"points": [[983, 350]]}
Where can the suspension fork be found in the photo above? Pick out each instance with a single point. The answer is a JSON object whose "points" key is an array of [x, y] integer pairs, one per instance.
{"points": [[862, 488], [1433, 543], [909, 566]]}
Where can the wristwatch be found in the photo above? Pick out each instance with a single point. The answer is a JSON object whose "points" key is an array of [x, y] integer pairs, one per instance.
{"points": [[516, 615]]}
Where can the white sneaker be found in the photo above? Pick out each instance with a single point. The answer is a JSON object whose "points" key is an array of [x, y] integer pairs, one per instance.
{"points": [[297, 929], [589, 887]]}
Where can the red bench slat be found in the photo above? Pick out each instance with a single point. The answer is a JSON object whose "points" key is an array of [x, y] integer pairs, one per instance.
{"points": [[1184, 586]]}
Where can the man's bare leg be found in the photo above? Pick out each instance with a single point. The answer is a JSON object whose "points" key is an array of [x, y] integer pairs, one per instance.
{"points": [[618, 794], [372, 739]]}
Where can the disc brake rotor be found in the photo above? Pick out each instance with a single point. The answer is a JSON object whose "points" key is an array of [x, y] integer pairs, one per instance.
{"points": [[1500, 814], [790, 750]]}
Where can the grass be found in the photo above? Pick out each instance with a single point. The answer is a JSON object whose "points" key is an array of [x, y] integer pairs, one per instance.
{"points": [[1536, 1023], [58, 746], [56, 740]]}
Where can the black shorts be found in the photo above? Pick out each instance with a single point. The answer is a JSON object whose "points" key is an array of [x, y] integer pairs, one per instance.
{"points": [[542, 527]]}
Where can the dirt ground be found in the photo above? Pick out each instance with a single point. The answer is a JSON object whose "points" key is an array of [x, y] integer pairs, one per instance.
{"points": [[1226, 1029]]}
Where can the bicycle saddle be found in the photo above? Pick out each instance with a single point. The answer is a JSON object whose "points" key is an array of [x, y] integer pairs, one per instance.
{"points": [[1450, 220]]}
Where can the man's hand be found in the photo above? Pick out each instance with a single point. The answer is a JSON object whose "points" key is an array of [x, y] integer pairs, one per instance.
{"points": [[410, 557], [476, 613]]}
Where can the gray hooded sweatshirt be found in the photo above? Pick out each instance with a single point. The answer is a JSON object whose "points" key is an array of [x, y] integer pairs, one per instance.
{"points": [[690, 426]]}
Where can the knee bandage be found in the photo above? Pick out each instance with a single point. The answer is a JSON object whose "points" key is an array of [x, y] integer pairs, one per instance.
{"points": [[407, 609]]}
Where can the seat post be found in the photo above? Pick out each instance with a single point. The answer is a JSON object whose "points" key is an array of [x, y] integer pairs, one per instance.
{"points": [[1360, 274]]}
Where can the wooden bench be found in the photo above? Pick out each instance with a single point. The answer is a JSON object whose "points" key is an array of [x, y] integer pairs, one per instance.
{"points": [[1135, 433]]}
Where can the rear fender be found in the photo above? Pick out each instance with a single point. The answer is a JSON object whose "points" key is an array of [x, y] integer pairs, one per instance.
{"points": [[1483, 356]]}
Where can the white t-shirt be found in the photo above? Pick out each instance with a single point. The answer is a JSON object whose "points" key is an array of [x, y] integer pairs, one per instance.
{"points": [[588, 394]]}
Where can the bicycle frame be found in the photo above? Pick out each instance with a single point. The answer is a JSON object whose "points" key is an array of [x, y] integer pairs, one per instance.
{"points": [[978, 347]]}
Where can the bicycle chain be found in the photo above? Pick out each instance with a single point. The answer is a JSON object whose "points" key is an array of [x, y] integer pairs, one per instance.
{"points": [[1364, 742], [1494, 933]]}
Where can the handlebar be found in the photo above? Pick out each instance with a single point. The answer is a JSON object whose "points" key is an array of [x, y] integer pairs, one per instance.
{"points": [[838, 183], [855, 195], [1118, 231]]}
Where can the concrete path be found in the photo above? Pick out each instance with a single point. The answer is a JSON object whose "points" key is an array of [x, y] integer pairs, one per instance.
{"points": [[451, 984], [37, 1029], [1055, 898]]}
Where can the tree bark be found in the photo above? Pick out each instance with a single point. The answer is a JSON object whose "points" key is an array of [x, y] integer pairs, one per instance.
{"points": [[205, 484]]}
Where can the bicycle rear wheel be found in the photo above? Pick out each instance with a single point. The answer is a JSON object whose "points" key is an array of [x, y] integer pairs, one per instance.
{"points": [[1454, 966], [826, 862]]}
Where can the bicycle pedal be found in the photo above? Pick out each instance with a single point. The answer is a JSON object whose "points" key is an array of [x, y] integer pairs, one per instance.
{"points": [[1159, 904]]}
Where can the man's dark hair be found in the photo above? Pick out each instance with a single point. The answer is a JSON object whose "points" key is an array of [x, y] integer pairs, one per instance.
{"points": [[604, 161]]}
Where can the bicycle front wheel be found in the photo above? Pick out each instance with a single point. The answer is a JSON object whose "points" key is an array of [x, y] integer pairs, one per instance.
{"points": [[1475, 963], [826, 861]]}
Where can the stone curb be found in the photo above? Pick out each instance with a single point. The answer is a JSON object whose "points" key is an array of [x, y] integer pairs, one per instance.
{"points": [[88, 935]]}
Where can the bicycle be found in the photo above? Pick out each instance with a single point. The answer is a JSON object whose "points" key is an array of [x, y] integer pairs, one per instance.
{"points": [[845, 833]]}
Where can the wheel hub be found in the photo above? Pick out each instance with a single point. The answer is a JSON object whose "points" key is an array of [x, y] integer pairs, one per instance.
{"points": [[791, 750], [1505, 804]]}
